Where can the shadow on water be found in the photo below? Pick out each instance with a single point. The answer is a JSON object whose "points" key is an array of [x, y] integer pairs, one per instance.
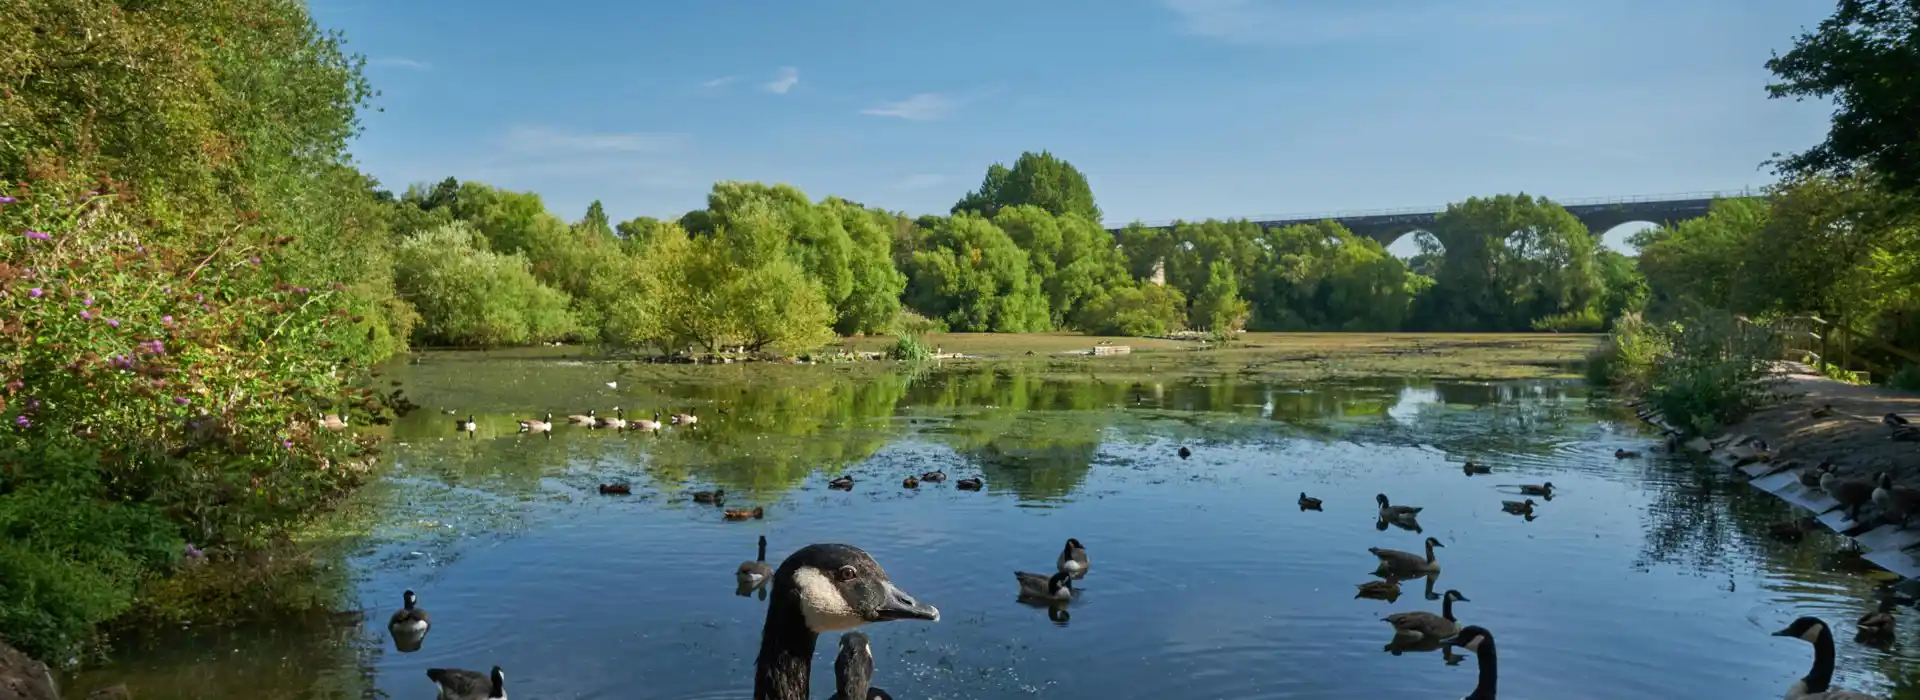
{"points": [[1207, 580]]}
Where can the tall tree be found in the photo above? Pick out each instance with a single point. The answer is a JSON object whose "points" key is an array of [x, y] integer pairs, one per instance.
{"points": [[1039, 179], [595, 223], [1866, 58]]}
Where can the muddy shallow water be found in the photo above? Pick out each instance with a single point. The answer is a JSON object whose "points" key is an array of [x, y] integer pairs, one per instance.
{"points": [[1640, 578]]}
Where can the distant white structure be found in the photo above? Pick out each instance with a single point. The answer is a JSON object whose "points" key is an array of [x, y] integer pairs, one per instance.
{"points": [[1159, 276]]}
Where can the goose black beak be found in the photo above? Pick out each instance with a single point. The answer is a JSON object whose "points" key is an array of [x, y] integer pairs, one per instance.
{"points": [[1784, 633], [1452, 641], [900, 606]]}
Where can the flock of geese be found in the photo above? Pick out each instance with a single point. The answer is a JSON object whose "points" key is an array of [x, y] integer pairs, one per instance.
{"points": [[837, 588]]}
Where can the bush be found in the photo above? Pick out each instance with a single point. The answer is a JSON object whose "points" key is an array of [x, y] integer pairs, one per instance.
{"points": [[1718, 371], [1907, 378], [1143, 311], [1587, 320], [910, 348], [1625, 360], [471, 296], [149, 398]]}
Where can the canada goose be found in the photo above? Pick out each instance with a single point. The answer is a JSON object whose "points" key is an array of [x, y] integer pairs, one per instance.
{"points": [[934, 477], [537, 426], [822, 588], [1906, 433], [467, 426], [644, 425], [1308, 502], [1518, 507], [1387, 590], [1056, 587], [1900, 503], [1073, 558], [410, 618], [1479, 641], [1545, 489], [617, 422], [968, 484], [1893, 419], [1790, 530], [685, 419], [1810, 477], [333, 421], [1472, 468], [1879, 623], [1184, 452], [588, 418], [1394, 560], [715, 497], [616, 489], [754, 573], [1390, 512], [910, 482], [1818, 683], [754, 513], [461, 684], [1824, 411], [1420, 624], [1626, 454], [853, 670], [1849, 493], [844, 483]]}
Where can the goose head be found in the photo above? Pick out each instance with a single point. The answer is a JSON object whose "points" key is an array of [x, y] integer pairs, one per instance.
{"points": [[1381, 499], [1808, 629], [1074, 544], [1059, 583], [835, 587], [1431, 542], [409, 599], [1470, 638], [1454, 596]]}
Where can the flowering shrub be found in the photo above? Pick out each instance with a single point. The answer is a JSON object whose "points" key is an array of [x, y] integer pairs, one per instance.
{"points": [[153, 396]]}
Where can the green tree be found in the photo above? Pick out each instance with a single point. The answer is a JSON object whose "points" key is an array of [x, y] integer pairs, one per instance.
{"points": [[1219, 307], [973, 277], [1510, 259], [874, 301], [1037, 179], [1134, 310], [595, 223], [471, 296], [1696, 263], [1841, 248], [1862, 58]]}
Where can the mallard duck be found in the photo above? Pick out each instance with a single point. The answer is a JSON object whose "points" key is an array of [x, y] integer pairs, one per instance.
{"points": [[1387, 590], [754, 513], [1073, 558], [1396, 561], [1308, 502], [1626, 454], [410, 618], [1893, 419], [1184, 452], [617, 422], [934, 477], [1789, 530], [1880, 622], [1472, 468], [853, 670], [822, 588], [1518, 507], [1479, 641], [616, 489], [968, 484], [1824, 411], [1392, 512], [910, 482], [1419, 625], [844, 483], [715, 497], [1056, 587], [588, 418], [1906, 433], [537, 426], [1810, 477], [461, 684], [756, 572], [1545, 489], [1818, 683]]}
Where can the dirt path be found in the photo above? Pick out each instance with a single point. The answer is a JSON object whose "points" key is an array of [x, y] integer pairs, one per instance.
{"points": [[1853, 436]]}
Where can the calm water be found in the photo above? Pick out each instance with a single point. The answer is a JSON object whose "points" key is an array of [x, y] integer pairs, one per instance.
{"points": [[1207, 581]]}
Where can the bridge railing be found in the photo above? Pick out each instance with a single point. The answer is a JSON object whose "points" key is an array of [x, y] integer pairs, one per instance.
{"points": [[1418, 211]]}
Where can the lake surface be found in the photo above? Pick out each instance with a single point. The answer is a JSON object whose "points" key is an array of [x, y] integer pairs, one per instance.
{"points": [[1640, 578]]}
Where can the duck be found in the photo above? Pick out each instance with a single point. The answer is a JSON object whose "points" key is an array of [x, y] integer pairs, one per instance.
{"points": [[756, 572], [410, 618], [1387, 590], [1472, 468], [934, 477], [1184, 452], [1898, 502], [470, 425], [1419, 625], [1479, 642], [685, 419], [845, 483], [1041, 586], [1545, 489], [461, 684], [537, 426], [1073, 558], [1894, 420], [823, 588], [333, 421], [1824, 411], [1308, 502], [853, 670], [1394, 560], [715, 497], [646, 426], [968, 484], [1518, 507], [1818, 683], [1849, 493], [616, 489], [1906, 433], [1626, 454], [1880, 622], [910, 482], [588, 418], [1789, 530], [617, 422], [754, 513], [1810, 477], [1391, 512]]}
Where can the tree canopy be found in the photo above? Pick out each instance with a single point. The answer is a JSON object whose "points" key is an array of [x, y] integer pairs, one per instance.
{"points": [[1864, 58]]}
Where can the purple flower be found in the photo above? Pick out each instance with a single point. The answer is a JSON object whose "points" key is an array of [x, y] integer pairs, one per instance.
{"points": [[22, 421], [140, 249], [199, 297], [35, 292], [302, 290], [7, 200], [86, 314], [113, 322], [38, 236], [16, 385], [168, 320], [121, 362], [287, 444], [33, 404], [255, 261], [180, 400], [87, 301], [153, 347], [193, 552]]}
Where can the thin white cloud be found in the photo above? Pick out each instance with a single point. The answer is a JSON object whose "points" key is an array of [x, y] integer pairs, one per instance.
{"points": [[720, 82], [536, 140], [921, 181], [397, 62], [925, 106], [789, 77], [1293, 22]]}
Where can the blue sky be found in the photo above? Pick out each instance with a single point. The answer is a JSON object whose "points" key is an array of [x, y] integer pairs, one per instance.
{"points": [[1173, 108]]}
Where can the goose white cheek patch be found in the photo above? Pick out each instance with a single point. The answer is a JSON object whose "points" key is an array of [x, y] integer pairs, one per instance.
{"points": [[1813, 633], [1474, 646], [821, 603]]}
